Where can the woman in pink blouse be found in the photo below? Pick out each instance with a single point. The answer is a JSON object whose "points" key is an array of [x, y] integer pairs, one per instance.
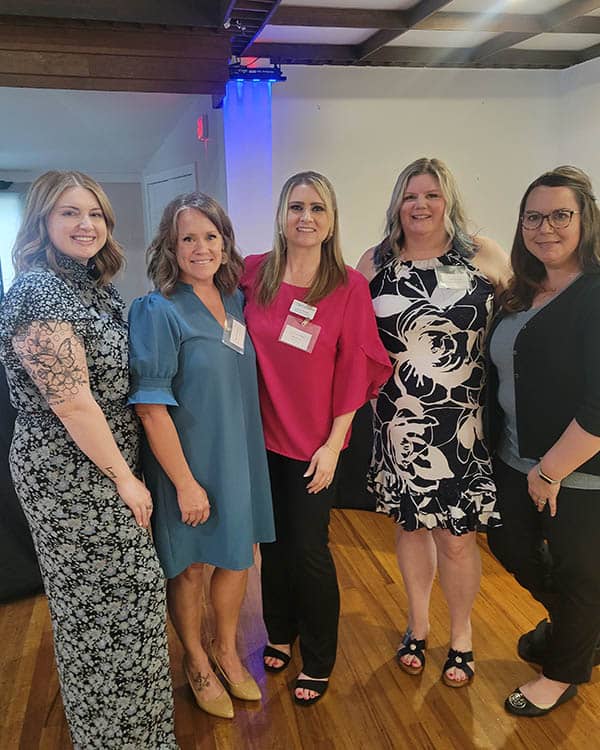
{"points": [[319, 358]]}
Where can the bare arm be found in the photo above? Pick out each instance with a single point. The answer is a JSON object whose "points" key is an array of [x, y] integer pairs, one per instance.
{"points": [[324, 460], [166, 446], [54, 358], [365, 264], [493, 263]]}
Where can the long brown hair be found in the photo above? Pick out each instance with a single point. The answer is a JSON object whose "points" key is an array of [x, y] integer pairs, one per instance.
{"points": [[332, 269], [33, 246], [163, 269], [529, 272]]}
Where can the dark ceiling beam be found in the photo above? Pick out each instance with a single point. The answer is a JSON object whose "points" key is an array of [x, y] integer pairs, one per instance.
{"points": [[581, 25], [569, 10], [432, 57], [99, 56], [491, 22], [224, 10], [424, 57], [549, 21], [173, 12], [507, 22], [319, 54], [383, 37], [364, 18], [339, 18], [248, 31], [590, 53]]}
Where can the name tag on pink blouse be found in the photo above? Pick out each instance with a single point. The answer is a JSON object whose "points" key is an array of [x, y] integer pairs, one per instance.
{"points": [[300, 332]]}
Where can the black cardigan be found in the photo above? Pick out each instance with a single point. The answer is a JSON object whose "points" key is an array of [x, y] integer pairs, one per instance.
{"points": [[557, 373]]}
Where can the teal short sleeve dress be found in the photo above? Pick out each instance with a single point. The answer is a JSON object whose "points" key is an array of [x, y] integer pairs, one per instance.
{"points": [[177, 358]]}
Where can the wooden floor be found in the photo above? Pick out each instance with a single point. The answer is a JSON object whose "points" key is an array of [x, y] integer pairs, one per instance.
{"points": [[371, 703]]}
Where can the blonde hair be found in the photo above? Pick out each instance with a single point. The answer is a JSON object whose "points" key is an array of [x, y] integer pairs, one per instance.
{"points": [[332, 269], [33, 246], [455, 220], [161, 258]]}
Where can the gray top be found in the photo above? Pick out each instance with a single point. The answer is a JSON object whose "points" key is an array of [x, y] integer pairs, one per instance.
{"points": [[502, 347]]}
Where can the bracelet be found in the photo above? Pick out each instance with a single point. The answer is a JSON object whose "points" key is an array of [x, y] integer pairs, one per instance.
{"points": [[545, 477]]}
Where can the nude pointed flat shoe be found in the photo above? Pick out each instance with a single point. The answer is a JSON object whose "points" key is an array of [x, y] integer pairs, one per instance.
{"points": [[220, 706], [246, 690]]}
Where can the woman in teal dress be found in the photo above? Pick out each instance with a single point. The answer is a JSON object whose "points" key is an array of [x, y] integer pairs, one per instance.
{"points": [[194, 387]]}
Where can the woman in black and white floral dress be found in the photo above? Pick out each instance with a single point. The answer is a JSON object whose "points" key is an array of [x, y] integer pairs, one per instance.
{"points": [[433, 288], [73, 459]]}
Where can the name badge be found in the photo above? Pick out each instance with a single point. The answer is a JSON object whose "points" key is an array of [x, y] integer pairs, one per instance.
{"points": [[234, 334], [303, 310], [301, 334], [452, 277]]}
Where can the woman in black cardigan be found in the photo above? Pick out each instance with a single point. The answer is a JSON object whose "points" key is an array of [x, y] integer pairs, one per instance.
{"points": [[544, 422]]}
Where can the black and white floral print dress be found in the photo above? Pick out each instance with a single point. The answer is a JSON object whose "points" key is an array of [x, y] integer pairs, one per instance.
{"points": [[430, 467], [101, 574]]}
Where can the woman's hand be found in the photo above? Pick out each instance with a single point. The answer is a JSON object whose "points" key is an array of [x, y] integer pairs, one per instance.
{"points": [[321, 468], [135, 495], [193, 503], [542, 492]]}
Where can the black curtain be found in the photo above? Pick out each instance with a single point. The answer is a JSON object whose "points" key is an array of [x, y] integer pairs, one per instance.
{"points": [[354, 462], [19, 571]]}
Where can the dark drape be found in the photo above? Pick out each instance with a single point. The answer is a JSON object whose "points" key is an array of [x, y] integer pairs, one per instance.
{"points": [[354, 462], [19, 572]]}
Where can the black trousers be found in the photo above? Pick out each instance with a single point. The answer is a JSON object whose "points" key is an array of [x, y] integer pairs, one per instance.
{"points": [[299, 583], [564, 574]]}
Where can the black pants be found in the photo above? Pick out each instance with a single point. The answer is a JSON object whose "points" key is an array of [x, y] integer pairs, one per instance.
{"points": [[564, 575], [299, 584]]}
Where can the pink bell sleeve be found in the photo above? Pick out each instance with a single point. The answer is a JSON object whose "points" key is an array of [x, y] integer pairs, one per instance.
{"points": [[362, 364]]}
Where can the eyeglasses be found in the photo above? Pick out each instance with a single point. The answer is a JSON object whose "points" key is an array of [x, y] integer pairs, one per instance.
{"points": [[560, 218]]}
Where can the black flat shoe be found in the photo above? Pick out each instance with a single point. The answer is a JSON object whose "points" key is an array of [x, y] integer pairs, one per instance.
{"points": [[317, 686], [275, 653], [533, 646], [519, 705]]}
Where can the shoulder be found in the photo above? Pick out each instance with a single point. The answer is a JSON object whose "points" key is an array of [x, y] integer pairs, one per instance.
{"points": [[153, 304], [588, 296], [38, 280], [366, 265], [491, 260], [356, 279], [253, 262], [43, 293]]}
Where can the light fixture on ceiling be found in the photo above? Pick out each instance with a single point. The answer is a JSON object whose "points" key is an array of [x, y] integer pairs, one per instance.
{"points": [[272, 73]]}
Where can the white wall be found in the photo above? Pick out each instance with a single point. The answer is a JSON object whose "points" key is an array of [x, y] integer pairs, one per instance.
{"points": [[183, 147], [126, 200], [580, 118], [496, 129]]}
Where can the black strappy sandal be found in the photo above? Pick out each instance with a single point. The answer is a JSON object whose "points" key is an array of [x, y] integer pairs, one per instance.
{"points": [[317, 686], [459, 660], [275, 653], [411, 647]]}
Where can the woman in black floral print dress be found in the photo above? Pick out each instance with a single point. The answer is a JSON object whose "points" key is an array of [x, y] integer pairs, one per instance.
{"points": [[433, 287], [73, 460]]}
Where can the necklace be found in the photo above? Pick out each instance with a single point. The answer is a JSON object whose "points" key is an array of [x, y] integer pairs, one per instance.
{"points": [[555, 289]]}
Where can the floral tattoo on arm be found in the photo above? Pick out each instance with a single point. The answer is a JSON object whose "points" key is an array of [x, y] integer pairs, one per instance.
{"points": [[54, 357]]}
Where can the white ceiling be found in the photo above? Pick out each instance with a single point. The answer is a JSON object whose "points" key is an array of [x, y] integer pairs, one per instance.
{"points": [[469, 39]]}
